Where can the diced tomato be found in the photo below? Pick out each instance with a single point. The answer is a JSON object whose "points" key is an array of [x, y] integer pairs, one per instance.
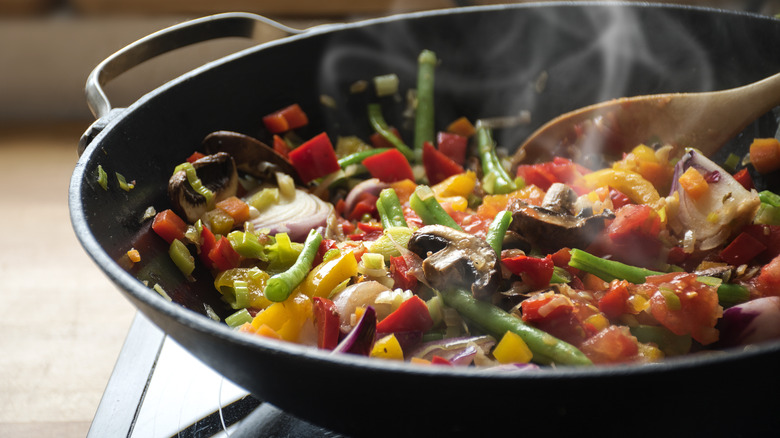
{"points": [[767, 282], [555, 315], [281, 147], [543, 175], [453, 146], [743, 177], [694, 311], [536, 272], [613, 303], [379, 141], [169, 226], [401, 276], [315, 158], [223, 256], [614, 344], [389, 166], [438, 166], [411, 315], [634, 221], [207, 243], [326, 318], [195, 157], [285, 119], [742, 249]]}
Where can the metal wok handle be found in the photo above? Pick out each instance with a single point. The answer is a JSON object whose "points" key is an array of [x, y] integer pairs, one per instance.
{"points": [[234, 24]]}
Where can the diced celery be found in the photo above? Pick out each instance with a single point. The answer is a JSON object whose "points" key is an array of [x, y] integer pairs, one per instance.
{"points": [[373, 261], [767, 214], [387, 244], [386, 85], [195, 182]]}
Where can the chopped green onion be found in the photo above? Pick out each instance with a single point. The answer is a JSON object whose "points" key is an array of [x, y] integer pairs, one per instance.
{"points": [[247, 244], [102, 177], [770, 198], [181, 257], [373, 261], [123, 184], [195, 182], [671, 298], [238, 318], [731, 163], [386, 85], [263, 199]]}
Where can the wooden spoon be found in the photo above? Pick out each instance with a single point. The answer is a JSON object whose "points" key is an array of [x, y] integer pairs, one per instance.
{"points": [[704, 121]]}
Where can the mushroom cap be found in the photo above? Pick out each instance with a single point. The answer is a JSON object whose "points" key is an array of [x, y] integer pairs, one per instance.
{"points": [[550, 231], [216, 172], [251, 155], [455, 258]]}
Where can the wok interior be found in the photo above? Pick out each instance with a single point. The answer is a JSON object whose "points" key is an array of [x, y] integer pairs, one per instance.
{"points": [[495, 61]]}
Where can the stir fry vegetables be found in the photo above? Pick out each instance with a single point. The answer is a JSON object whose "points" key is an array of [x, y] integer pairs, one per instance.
{"points": [[442, 253]]}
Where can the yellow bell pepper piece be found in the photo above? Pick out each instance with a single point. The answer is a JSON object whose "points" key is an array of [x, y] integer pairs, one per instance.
{"points": [[255, 279], [326, 276], [461, 185], [388, 348], [286, 318], [512, 349], [631, 184]]}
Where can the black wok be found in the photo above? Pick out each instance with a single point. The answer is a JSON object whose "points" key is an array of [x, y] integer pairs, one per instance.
{"points": [[492, 59]]}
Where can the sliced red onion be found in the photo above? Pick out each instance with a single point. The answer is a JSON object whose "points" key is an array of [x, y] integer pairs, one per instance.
{"points": [[407, 340], [372, 186], [710, 219], [357, 295], [361, 339], [751, 322], [459, 351], [294, 216]]}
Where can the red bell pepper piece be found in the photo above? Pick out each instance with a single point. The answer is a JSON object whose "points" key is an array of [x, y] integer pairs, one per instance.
{"points": [[743, 177], [438, 360], [438, 166], [285, 119], [326, 317], [224, 256], [543, 175], [411, 315], [169, 226], [401, 275], [314, 158], [207, 243], [535, 271], [453, 146], [742, 249], [613, 303], [281, 147], [389, 166], [619, 199], [366, 205], [195, 157]]}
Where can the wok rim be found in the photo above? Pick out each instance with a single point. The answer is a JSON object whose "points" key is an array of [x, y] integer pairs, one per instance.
{"points": [[135, 290]]}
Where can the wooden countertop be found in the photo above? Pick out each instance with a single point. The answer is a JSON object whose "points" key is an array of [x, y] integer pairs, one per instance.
{"points": [[62, 322]]}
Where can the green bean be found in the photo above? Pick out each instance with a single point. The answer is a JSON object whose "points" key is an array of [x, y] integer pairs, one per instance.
{"points": [[608, 270], [390, 211], [424, 120], [358, 157], [281, 285], [497, 230], [546, 348], [495, 179], [378, 122], [424, 203]]}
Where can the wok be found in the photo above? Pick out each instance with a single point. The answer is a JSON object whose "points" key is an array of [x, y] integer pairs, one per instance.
{"points": [[492, 59]]}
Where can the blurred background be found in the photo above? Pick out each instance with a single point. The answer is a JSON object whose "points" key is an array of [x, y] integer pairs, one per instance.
{"points": [[62, 323]]}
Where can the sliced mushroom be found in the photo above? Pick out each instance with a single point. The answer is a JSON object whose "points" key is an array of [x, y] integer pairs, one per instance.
{"points": [[454, 258], [216, 172], [559, 198], [252, 156], [550, 231]]}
